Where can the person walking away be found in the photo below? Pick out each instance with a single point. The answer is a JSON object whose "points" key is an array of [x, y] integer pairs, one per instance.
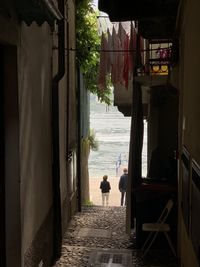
{"points": [[123, 186], [105, 190]]}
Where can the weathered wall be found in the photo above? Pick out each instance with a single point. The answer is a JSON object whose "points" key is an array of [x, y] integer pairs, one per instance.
{"points": [[189, 106], [29, 137], [72, 78], [85, 193], [188, 257], [34, 67], [190, 43], [72, 115], [68, 122], [85, 148]]}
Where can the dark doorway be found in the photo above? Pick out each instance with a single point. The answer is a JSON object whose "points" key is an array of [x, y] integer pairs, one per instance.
{"points": [[10, 223]]}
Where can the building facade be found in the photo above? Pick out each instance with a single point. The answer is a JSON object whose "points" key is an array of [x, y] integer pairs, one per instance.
{"points": [[171, 29], [38, 130]]}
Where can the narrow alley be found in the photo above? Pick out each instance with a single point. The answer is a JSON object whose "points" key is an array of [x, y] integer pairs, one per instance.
{"points": [[139, 57], [96, 237]]}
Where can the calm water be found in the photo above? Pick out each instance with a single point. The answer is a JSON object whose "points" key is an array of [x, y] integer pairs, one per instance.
{"points": [[113, 134]]}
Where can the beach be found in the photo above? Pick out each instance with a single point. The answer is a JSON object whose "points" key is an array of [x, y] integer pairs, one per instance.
{"points": [[112, 133], [95, 192]]}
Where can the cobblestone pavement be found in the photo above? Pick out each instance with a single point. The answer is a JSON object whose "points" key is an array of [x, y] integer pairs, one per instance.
{"points": [[99, 227]]}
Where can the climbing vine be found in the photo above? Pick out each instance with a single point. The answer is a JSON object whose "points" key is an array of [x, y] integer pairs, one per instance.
{"points": [[88, 46]]}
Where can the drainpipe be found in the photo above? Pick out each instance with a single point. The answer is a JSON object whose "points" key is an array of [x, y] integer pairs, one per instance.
{"points": [[2, 164], [79, 140], [57, 221], [68, 151]]}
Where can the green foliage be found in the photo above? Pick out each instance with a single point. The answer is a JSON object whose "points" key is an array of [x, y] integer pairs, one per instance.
{"points": [[94, 144], [88, 46], [88, 203]]}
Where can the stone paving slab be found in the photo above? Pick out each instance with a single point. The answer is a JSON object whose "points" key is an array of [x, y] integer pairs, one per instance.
{"points": [[110, 258], [77, 248], [91, 232]]}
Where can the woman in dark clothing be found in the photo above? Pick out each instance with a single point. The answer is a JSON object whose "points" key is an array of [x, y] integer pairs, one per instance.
{"points": [[105, 190]]}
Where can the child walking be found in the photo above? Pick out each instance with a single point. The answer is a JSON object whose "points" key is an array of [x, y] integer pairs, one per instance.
{"points": [[105, 190]]}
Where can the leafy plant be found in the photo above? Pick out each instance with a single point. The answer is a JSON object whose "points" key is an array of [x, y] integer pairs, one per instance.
{"points": [[88, 47], [88, 203], [94, 144]]}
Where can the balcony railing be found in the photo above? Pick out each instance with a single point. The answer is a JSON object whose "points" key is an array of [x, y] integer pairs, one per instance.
{"points": [[156, 58]]}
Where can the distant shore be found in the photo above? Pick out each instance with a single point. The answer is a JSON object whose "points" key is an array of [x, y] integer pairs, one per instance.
{"points": [[95, 192]]}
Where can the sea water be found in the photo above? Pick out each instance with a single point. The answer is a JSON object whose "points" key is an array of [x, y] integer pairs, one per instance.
{"points": [[112, 132]]}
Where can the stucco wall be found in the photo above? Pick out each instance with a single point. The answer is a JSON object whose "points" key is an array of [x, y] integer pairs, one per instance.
{"points": [[33, 195], [85, 149], [190, 43], [67, 119], [34, 67], [72, 67], [188, 257], [189, 106]]}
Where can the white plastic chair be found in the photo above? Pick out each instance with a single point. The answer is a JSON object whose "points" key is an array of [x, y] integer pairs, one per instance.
{"points": [[155, 228]]}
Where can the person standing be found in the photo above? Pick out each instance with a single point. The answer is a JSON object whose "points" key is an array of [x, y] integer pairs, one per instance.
{"points": [[105, 190], [123, 186]]}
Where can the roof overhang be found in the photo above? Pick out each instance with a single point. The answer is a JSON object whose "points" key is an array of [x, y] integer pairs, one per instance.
{"points": [[38, 11], [156, 18], [124, 10], [157, 28]]}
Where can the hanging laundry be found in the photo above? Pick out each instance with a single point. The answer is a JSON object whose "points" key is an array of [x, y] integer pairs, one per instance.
{"points": [[115, 65], [109, 57], [126, 62], [132, 49], [101, 83], [122, 37], [117, 56]]}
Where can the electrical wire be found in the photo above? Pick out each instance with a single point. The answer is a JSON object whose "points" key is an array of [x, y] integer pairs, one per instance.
{"points": [[113, 50]]}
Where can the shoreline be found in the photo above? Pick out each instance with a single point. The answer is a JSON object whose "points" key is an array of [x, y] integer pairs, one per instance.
{"points": [[95, 192]]}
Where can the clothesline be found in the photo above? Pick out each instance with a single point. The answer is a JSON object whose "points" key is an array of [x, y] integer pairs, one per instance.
{"points": [[118, 50]]}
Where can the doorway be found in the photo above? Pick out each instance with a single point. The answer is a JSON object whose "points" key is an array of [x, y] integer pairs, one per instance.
{"points": [[10, 228]]}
